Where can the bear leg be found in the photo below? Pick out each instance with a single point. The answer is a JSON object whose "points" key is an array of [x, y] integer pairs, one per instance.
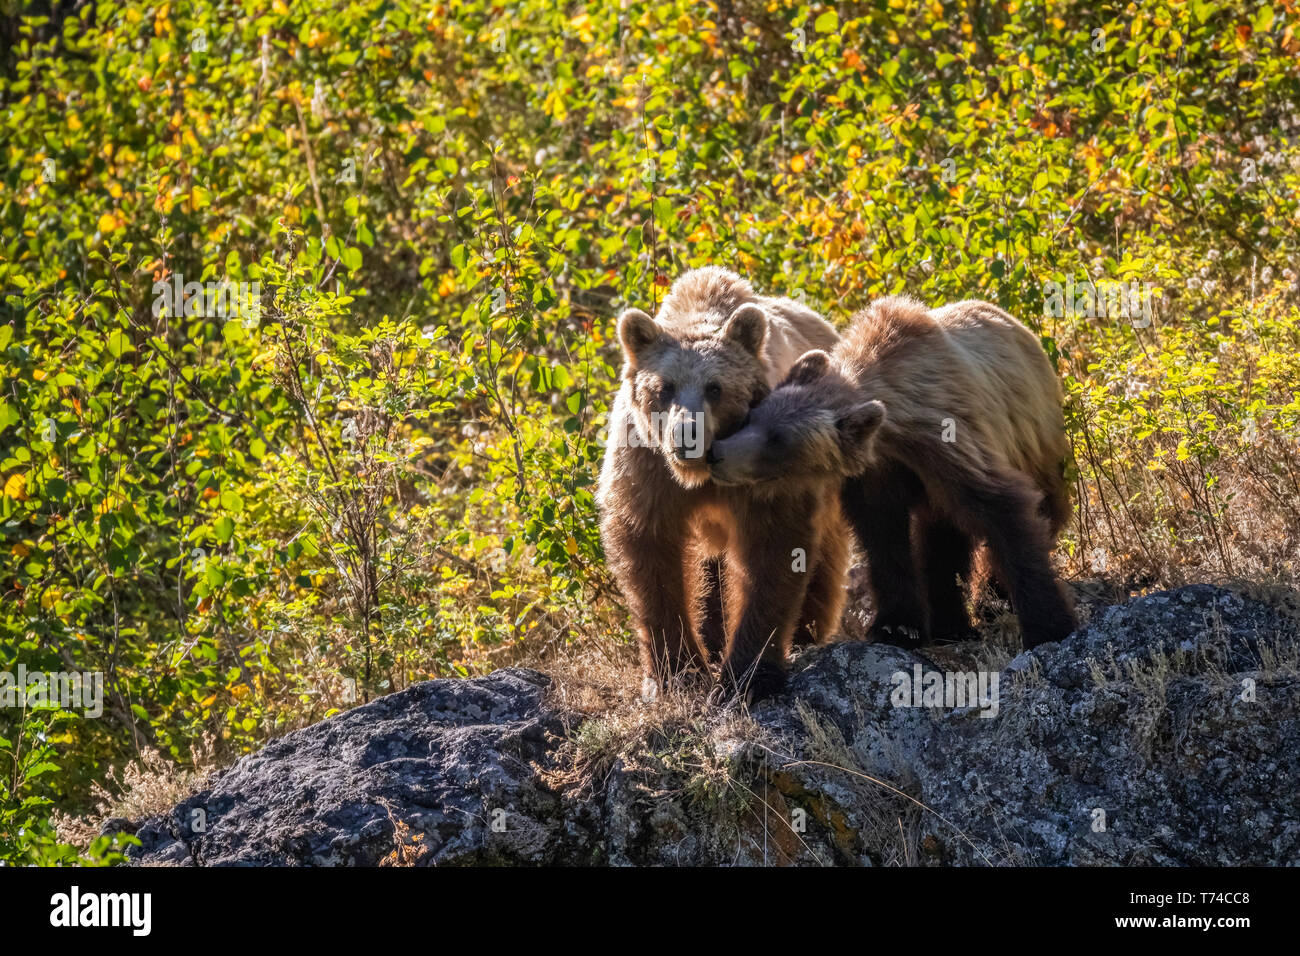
{"points": [[767, 589], [819, 605], [824, 602], [710, 617], [945, 559], [1056, 506], [878, 505], [648, 565], [1004, 509]]}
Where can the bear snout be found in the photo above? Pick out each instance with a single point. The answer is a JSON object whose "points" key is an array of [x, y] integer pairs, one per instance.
{"points": [[686, 436]]}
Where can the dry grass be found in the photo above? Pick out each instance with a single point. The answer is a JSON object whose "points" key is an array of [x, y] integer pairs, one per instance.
{"points": [[681, 736], [1149, 678], [893, 831], [603, 690], [149, 786]]}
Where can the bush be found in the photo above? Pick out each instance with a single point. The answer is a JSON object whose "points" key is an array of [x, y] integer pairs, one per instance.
{"points": [[375, 465]]}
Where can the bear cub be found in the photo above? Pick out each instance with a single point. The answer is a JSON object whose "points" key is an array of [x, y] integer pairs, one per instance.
{"points": [[942, 429], [729, 576]]}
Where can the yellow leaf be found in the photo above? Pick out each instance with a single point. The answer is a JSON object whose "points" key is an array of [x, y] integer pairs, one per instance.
{"points": [[16, 487]]}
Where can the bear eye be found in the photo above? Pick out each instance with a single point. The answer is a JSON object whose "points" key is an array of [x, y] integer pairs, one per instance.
{"points": [[713, 391], [666, 391], [776, 440]]}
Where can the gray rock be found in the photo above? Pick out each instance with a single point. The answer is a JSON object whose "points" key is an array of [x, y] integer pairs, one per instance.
{"points": [[1135, 741], [441, 773], [1166, 731]]}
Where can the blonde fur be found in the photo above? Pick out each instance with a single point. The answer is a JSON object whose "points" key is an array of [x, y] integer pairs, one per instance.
{"points": [[969, 364], [947, 425], [672, 538]]}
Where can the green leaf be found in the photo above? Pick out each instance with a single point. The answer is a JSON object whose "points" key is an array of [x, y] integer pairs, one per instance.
{"points": [[828, 22], [119, 343]]}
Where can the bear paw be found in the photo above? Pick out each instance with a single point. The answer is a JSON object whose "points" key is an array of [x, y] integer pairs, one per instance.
{"points": [[897, 635], [762, 680]]}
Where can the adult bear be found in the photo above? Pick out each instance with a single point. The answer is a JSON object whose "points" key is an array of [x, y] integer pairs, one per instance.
{"points": [[942, 428], [690, 374]]}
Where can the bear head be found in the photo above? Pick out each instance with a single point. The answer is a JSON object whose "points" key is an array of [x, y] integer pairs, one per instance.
{"points": [[815, 424], [691, 385]]}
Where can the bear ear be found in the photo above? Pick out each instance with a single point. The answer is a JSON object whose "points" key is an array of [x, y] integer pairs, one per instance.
{"points": [[810, 367], [636, 332], [857, 425], [747, 327]]}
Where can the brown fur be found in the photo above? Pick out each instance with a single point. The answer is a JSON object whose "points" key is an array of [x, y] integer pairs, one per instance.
{"points": [[920, 503], [684, 551]]}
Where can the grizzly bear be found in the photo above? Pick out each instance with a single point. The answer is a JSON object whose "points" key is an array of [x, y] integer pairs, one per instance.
{"points": [[944, 429], [684, 552]]}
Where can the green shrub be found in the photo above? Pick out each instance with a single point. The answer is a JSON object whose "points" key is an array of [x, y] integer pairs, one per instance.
{"points": [[383, 472]]}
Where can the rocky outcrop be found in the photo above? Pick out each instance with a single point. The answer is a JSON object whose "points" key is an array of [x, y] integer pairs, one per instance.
{"points": [[1166, 731], [440, 761]]}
